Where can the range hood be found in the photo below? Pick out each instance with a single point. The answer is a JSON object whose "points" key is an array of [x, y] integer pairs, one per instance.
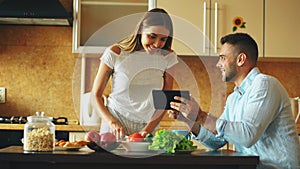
{"points": [[34, 12]]}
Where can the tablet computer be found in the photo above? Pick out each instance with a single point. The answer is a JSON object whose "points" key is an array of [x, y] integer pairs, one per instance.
{"points": [[162, 98]]}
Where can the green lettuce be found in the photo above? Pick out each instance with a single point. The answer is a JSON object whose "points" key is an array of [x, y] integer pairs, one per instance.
{"points": [[170, 142]]}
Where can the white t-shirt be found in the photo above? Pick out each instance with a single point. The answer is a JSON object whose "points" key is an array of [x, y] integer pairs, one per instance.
{"points": [[135, 76]]}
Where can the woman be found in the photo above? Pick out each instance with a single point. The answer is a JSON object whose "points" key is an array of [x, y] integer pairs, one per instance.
{"points": [[138, 64]]}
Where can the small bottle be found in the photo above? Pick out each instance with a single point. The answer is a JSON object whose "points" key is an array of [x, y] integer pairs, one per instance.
{"points": [[39, 133]]}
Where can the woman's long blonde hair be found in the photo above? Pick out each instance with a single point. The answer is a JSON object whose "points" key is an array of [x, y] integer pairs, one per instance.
{"points": [[154, 17]]}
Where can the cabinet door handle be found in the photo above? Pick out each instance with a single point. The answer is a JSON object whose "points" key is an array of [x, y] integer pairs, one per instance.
{"points": [[204, 26], [216, 27], [82, 87], [152, 4], [75, 39]]}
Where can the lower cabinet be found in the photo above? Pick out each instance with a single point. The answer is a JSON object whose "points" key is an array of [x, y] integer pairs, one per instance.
{"points": [[10, 137], [14, 137]]}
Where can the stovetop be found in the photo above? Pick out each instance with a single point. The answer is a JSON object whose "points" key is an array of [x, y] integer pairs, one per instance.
{"points": [[23, 120], [13, 119]]}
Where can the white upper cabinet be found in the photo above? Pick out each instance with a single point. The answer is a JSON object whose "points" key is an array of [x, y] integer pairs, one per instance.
{"points": [[199, 24], [191, 21], [100, 23], [250, 11], [282, 33]]}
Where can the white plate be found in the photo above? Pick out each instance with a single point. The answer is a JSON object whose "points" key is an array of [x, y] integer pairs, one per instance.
{"points": [[60, 148], [135, 146]]}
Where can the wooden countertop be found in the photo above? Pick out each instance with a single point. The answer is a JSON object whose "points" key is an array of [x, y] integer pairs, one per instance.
{"points": [[14, 157], [71, 127], [79, 128]]}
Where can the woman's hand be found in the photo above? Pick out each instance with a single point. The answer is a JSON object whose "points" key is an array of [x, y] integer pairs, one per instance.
{"points": [[144, 133], [117, 130]]}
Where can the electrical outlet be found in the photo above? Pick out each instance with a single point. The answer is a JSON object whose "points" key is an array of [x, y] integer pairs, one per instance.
{"points": [[2, 94]]}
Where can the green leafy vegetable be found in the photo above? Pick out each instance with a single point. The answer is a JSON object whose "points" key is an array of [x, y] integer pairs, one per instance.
{"points": [[170, 142], [149, 137]]}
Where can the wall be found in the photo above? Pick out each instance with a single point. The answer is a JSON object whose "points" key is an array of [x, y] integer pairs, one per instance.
{"points": [[37, 66]]}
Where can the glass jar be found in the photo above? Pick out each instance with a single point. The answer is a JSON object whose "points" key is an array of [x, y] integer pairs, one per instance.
{"points": [[39, 133]]}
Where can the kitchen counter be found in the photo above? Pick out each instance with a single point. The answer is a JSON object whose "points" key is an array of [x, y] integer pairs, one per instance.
{"points": [[14, 157], [70, 127]]}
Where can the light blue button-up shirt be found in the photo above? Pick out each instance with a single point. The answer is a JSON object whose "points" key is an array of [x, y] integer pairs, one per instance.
{"points": [[258, 120]]}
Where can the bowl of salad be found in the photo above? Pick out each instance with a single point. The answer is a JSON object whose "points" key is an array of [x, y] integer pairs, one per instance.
{"points": [[137, 142], [135, 146]]}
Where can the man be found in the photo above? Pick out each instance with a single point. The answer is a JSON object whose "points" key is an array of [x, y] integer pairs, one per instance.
{"points": [[257, 117]]}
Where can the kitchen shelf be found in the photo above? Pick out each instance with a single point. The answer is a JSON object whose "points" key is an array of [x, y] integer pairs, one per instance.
{"points": [[96, 23]]}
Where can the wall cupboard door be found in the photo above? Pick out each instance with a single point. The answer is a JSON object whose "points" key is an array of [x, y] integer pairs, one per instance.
{"points": [[100, 23], [190, 21], [250, 11], [212, 18], [282, 28], [191, 25]]}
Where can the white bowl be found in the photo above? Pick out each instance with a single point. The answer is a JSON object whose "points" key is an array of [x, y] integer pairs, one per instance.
{"points": [[135, 146]]}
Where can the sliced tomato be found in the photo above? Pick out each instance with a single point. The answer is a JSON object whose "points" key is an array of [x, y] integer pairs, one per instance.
{"points": [[136, 137]]}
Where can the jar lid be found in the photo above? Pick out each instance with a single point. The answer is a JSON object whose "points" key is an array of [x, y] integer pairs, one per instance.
{"points": [[39, 117]]}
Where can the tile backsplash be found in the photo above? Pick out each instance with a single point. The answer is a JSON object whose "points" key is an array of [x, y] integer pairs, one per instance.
{"points": [[40, 73], [36, 68]]}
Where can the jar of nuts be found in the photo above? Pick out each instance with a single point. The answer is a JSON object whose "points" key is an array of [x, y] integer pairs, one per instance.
{"points": [[39, 133]]}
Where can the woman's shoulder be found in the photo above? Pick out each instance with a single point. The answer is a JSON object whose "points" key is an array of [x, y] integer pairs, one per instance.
{"points": [[112, 52], [115, 49]]}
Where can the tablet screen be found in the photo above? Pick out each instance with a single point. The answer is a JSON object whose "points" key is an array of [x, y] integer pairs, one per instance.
{"points": [[162, 98]]}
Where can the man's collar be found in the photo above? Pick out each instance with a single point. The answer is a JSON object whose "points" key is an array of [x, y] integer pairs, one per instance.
{"points": [[247, 81]]}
